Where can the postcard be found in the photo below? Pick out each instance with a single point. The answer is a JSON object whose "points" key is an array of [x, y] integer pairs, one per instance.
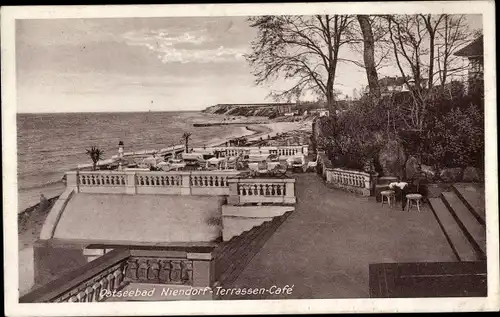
{"points": [[252, 158]]}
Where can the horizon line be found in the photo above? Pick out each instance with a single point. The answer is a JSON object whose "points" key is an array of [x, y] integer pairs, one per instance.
{"points": [[140, 111]]}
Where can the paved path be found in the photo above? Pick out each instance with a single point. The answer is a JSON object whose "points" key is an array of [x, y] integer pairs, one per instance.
{"points": [[325, 246]]}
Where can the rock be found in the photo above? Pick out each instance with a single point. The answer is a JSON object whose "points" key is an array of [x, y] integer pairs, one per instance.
{"points": [[411, 167], [451, 175], [392, 158], [471, 174]]}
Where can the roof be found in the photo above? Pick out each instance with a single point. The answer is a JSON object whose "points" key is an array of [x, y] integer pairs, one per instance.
{"points": [[139, 218], [473, 49]]}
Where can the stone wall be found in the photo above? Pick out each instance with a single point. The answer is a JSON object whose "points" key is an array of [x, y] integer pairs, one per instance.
{"points": [[231, 257]]}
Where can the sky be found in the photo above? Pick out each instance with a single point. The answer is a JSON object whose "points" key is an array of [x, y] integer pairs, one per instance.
{"points": [[141, 64]]}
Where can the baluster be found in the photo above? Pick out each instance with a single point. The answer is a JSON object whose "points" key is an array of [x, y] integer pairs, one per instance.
{"points": [[96, 290], [175, 272], [216, 181], [81, 297], [267, 191], [154, 270], [118, 278], [164, 274], [186, 272], [111, 281], [132, 267], [92, 179], [89, 294]]}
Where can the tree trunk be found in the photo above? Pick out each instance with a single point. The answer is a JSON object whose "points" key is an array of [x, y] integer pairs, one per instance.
{"points": [[94, 166], [369, 56]]}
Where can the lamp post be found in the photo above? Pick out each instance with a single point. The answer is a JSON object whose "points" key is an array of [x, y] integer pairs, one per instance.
{"points": [[120, 154]]}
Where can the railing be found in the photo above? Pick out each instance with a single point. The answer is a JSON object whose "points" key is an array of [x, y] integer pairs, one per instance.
{"points": [[355, 181], [104, 178], [350, 180], [148, 182], [277, 150], [158, 179], [95, 281], [261, 190], [84, 284]]}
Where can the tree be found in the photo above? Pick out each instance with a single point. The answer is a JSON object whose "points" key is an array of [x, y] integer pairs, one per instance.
{"points": [[369, 55], [453, 35], [302, 48], [419, 42], [185, 137], [96, 155]]}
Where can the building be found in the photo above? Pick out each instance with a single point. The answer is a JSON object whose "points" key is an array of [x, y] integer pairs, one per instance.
{"points": [[322, 112], [390, 85], [474, 53]]}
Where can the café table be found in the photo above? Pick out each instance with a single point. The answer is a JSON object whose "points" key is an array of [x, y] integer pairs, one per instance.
{"points": [[401, 189]]}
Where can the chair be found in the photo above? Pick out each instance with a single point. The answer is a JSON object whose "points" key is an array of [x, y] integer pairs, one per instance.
{"points": [[389, 195], [413, 199]]}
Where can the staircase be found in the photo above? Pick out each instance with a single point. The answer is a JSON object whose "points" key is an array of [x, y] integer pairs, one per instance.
{"points": [[231, 257], [460, 213]]}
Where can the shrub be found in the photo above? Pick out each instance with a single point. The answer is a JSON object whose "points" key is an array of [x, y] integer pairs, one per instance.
{"points": [[352, 139], [455, 139]]}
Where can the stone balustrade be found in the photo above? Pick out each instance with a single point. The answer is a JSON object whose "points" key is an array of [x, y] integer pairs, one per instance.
{"points": [[149, 182], [86, 283], [261, 190], [355, 181], [121, 267], [276, 150], [209, 183]]}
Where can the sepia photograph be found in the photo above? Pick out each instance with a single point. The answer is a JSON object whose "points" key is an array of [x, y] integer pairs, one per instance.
{"points": [[247, 153]]}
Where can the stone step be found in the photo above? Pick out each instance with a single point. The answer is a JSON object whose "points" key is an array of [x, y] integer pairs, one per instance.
{"points": [[224, 260], [474, 231], [472, 195], [461, 246], [251, 248], [241, 258]]}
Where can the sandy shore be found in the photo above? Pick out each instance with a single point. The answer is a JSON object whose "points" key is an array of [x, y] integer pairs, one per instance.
{"points": [[31, 197]]}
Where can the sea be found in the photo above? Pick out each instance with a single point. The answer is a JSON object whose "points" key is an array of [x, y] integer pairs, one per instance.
{"points": [[50, 144]]}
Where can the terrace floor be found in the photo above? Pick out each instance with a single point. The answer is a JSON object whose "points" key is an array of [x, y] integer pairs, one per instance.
{"points": [[325, 246]]}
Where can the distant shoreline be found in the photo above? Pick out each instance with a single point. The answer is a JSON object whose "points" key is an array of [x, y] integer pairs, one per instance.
{"points": [[210, 124]]}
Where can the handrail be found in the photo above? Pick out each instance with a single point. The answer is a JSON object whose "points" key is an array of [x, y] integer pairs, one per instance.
{"points": [[68, 281]]}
